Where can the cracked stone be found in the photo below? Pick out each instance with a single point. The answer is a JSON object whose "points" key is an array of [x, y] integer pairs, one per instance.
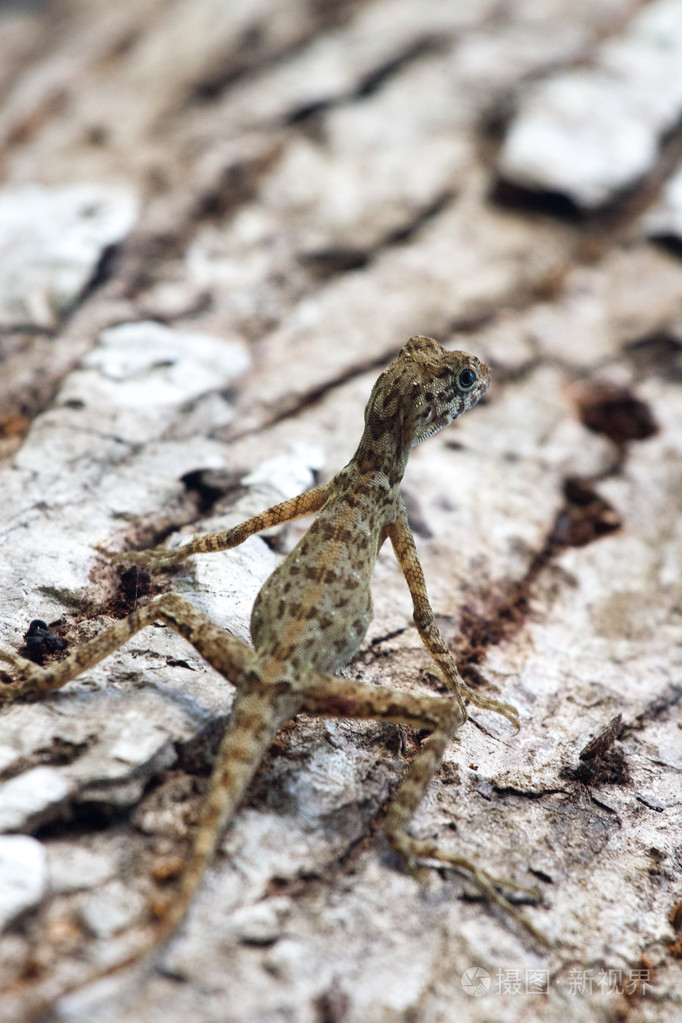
{"points": [[157, 371], [51, 240], [114, 907], [23, 875], [140, 742], [590, 132], [72, 868], [261, 924], [664, 220], [551, 305], [33, 798], [152, 369]]}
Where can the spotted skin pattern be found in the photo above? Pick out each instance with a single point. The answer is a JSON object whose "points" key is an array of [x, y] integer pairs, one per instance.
{"points": [[310, 618]]}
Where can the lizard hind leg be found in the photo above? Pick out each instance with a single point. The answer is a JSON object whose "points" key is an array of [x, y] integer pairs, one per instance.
{"points": [[227, 654], [340, 697], [414, 851]]}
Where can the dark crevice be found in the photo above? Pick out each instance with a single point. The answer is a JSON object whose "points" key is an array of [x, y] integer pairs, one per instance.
{"points": [[235, 185], [472, 324], [134, 582], [658, 354], [604, 224], [370, 83], [509, 195], [12, 329], [254, 51], [212, 486], [671, 243], [659, 707], [615, 413], [84, 818], [292, 406], [386, 637], [332, 1006], [108, 266], [143, 251], [197, 754], [373, 81], [245, 60], [407, 233], [511, 790], [415, 516], [650, 802], [325, 263], [583, 518], [606, 808], [59, 753]]}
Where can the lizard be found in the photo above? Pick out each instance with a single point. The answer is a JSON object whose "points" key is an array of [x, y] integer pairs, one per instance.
{"points": [[310, 618]]}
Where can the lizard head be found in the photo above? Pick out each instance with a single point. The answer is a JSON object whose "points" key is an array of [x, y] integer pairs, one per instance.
{"points": [[439, 386], [424, 390]]}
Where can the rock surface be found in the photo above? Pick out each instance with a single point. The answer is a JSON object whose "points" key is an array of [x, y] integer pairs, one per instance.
{"points": [[301, 188], [51, 241], [590, 132]]}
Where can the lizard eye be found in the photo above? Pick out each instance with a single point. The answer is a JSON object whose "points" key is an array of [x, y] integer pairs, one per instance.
{"points": [[466, 378]]}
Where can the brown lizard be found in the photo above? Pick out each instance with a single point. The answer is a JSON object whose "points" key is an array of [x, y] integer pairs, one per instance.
{"points": [[311, 616]]}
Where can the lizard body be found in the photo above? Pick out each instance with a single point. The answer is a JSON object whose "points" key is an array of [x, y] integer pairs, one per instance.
{"points": [[311, 616]]}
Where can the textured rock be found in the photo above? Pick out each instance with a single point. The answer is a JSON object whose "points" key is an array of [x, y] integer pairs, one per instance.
{"points": [[591, 132], [23, 875], [51, 241], [318, 183], [31, 798], [665, 219], [111, 909]]}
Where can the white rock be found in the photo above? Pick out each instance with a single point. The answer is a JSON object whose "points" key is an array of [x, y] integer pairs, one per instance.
{"points": [[138, 375], [262, 923], [590, 132], [290, 473], [665, 219], [72, 868], [111, 909], [50, 242], [23, 875], [127, 391], [141, 741], [31, 797]]}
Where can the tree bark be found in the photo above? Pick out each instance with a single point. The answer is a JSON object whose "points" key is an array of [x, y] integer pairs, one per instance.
{"points": [[217, 223]]}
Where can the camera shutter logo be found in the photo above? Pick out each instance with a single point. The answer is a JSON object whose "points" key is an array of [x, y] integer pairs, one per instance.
{"points": [[476, 981]]}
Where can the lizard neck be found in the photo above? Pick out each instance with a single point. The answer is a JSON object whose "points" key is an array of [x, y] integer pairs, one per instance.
{"points": [[382, 451]]}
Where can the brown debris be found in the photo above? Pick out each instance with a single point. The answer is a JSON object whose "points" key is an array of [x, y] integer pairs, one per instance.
{"points": [[616, 413]]}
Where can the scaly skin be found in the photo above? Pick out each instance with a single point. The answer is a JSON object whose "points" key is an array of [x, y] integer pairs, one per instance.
{"points": [[311, 616]]}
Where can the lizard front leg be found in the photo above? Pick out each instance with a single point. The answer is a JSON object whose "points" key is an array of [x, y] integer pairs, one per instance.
{"points": [[340, 697], [403, 543], [295, 508]]}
